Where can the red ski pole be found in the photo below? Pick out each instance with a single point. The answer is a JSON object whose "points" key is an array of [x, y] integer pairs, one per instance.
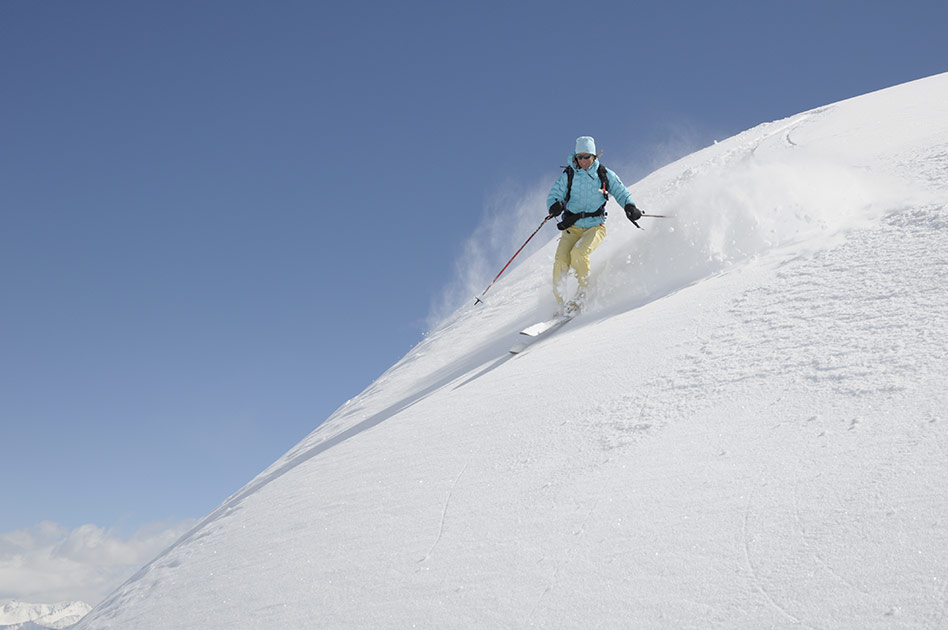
{"points": [[477, 300]]}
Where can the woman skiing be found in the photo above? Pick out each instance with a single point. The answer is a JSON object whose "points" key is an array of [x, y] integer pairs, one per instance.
{"points": [[580, 195]]}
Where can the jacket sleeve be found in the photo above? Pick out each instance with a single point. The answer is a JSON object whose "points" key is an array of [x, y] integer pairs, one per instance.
{"points": [[558, 192], [617, 189]]}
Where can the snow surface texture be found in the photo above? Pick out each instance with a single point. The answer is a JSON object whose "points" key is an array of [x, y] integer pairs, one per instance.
{"points": [[746, 429], [15, 615]]}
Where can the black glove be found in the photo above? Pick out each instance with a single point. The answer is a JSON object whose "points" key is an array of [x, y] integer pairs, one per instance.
{"points": [[633, 213], [557, 209]]}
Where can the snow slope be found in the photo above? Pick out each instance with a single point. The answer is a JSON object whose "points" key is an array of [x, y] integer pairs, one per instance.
{"points": [[747, 429]]}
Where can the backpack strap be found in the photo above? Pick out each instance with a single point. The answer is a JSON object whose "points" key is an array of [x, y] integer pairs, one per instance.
{"points": [[569, 218], [569, 182], [604, 179]]}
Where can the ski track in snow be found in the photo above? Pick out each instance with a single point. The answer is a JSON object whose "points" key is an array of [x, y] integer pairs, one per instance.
{"points": [[759, 584], [444, 513]]}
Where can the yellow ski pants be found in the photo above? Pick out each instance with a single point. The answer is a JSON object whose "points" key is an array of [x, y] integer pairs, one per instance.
{"points": [[576, 244]]}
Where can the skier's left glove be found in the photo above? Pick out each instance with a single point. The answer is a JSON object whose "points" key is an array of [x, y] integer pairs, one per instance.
{"points": [[633, 214]]}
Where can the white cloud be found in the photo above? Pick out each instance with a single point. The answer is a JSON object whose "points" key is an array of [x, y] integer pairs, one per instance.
{"points": [[49, 563]]}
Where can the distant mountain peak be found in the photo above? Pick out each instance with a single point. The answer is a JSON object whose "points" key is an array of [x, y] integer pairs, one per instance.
{"points": [[17, 615]]}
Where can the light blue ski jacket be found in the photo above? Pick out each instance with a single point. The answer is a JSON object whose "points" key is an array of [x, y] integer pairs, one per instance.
{"points": [[586, 194]]}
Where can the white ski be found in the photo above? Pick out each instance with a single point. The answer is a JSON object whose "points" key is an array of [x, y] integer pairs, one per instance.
{"points": [[538, 329], [541, 329]]}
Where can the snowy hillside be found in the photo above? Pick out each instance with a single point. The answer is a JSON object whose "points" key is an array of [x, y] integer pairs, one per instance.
{"points": [[16, 615], [748, 428]]}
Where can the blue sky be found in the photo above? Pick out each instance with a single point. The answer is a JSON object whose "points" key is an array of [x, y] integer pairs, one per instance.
{"points": [[219, 220]]}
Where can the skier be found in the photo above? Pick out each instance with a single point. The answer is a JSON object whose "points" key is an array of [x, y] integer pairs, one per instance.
{"points": [[580, 196]]}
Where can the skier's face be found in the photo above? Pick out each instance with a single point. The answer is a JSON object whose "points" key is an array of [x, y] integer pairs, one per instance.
{"points": [[584, 160]]}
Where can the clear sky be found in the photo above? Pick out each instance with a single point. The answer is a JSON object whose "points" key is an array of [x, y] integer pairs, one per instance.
{"points": [[219, 220]]}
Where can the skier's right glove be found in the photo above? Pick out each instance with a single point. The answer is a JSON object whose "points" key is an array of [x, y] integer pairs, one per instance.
{"points": [[557, 209]]}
